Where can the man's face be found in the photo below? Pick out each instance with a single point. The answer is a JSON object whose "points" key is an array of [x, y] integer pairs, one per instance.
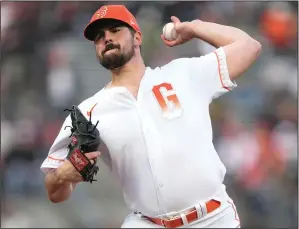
{"points": [[114, 45]]}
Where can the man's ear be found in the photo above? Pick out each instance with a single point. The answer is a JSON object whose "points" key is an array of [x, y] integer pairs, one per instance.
{"points": [[138, 38]]}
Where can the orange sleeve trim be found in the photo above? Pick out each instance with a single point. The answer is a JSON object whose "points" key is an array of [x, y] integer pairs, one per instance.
{"points": [[219, 73], [56, 159], [236, 215], [89, 112]]}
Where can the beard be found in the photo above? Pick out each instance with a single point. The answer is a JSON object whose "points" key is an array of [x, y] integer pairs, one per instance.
{"points": [[117, 58]]}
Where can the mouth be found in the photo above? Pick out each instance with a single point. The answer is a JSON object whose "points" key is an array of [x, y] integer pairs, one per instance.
{"points": [[110, 50]]}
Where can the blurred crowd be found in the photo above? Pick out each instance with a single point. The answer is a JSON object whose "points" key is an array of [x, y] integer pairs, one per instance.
{"points": [[47, 66]]}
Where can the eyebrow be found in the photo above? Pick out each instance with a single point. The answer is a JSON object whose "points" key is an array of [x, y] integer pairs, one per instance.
{"points": [[107, 28], [111, 27]]}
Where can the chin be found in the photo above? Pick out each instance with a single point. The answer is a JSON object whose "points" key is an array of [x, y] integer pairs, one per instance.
{"points": [[112, 65]]}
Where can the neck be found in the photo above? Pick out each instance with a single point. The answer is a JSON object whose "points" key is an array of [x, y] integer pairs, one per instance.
{"points": [[130, 74]]}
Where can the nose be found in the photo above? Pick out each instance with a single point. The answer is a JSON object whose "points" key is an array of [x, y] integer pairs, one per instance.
{"points": [[108, 37]]}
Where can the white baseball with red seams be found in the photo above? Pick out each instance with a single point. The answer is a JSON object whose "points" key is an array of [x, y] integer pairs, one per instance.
{"points": [[160, 144], [169, 32]]}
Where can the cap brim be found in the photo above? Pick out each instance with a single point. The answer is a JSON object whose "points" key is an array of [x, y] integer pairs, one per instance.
{"points": [[91, 29]]}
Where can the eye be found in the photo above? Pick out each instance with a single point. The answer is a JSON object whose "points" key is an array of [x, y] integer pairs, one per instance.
{"points": [[99, 36], [115, 30]]}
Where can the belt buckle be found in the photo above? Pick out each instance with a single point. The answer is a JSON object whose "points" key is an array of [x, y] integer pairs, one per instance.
{"points": [[169, 219], [162, 222]]}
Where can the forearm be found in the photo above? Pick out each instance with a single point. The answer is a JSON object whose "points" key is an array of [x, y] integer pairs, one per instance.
{"points": [[57, 189], [218, 35]]}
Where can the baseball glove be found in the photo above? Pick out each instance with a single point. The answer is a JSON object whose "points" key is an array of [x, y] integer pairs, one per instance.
{"points": [[85, 138]]}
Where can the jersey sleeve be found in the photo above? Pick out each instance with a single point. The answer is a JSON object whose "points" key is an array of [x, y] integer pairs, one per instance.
{"points": [[58, 151], [210, 73]]}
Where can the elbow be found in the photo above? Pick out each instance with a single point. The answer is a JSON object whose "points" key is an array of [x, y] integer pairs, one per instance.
{"points": [[60, 195], [257, 47], [54, 198], [254, 47], [54, 201]]}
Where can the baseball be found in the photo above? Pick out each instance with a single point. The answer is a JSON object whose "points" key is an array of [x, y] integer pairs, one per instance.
{"points": [[169, 32]]}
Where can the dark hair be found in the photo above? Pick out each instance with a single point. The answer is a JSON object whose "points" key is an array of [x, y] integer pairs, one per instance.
{"points": [[131, 30]]}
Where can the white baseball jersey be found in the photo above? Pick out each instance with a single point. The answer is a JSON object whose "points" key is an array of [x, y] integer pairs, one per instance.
{"points": [[160, 144]]}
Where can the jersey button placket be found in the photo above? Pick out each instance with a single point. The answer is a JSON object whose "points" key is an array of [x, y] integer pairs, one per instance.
{"points": [[150, 139]]}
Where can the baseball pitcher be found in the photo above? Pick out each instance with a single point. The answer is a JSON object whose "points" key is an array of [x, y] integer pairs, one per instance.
{"points": [[154, 123]]}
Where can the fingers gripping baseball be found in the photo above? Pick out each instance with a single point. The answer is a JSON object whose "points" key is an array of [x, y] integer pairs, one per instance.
{"points": [[183, 32], [176, 21]]}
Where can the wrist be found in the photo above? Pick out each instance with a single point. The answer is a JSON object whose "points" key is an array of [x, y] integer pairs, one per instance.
{"points": [[196, 21], [195, 25]]}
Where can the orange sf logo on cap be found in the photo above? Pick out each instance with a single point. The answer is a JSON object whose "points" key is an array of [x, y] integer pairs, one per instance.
{"points": [[102, 11]]}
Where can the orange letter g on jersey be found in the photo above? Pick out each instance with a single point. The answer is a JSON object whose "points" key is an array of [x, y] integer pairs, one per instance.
{"points": [[168, 100]]}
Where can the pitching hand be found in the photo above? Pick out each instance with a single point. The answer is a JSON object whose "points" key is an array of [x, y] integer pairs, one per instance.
{"points": [[184, 30]]}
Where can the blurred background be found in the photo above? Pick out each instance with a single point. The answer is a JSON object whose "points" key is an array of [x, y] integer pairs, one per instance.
{"points": [[47, 65]]}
